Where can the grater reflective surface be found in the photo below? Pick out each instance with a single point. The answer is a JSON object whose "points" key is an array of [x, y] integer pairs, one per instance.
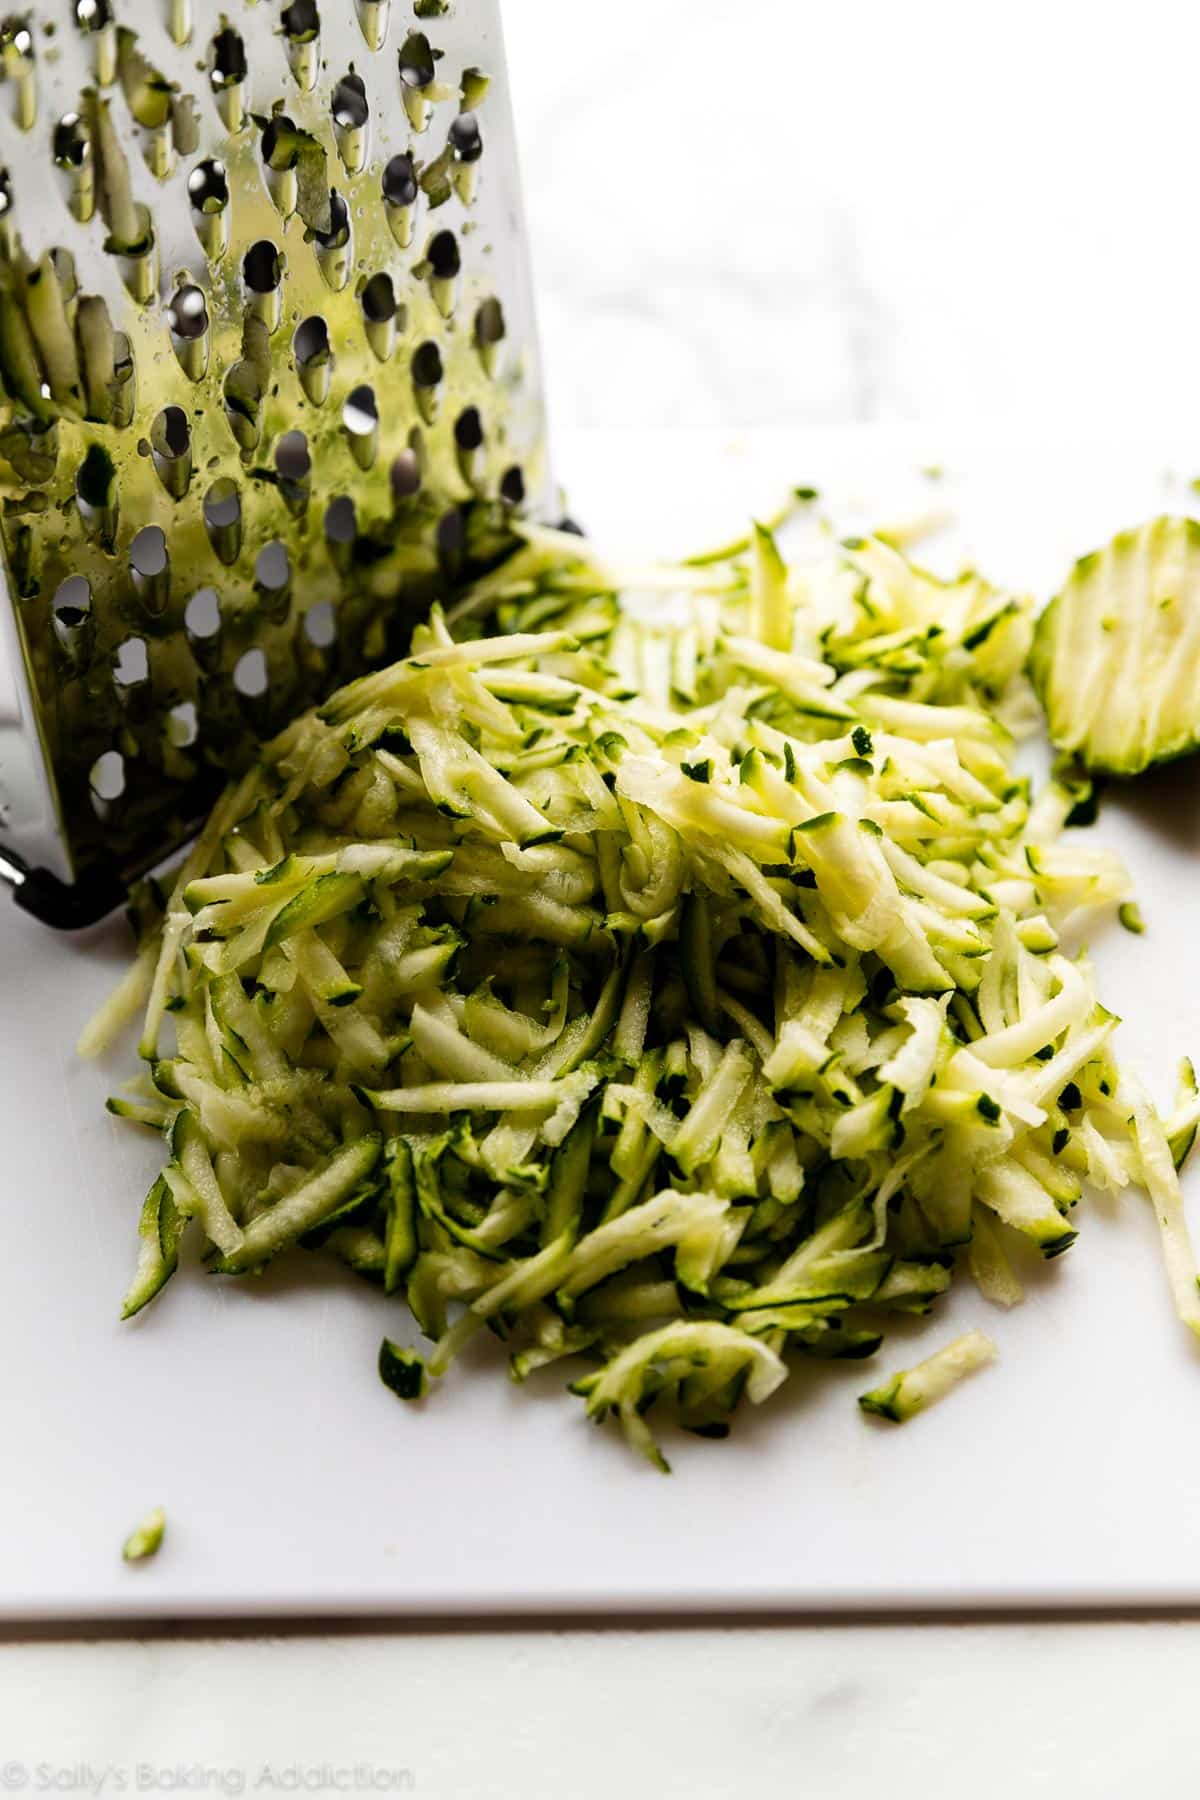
{"points": [[270, 374]]}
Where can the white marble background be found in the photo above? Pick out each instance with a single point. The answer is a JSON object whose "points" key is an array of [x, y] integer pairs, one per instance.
{"points": [[763, 212], [781, 211]]}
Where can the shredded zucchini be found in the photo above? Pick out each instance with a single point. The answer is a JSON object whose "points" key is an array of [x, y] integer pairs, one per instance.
{"points": [[145, 1540], [913, 1390], [680, 981], [1116, 654]]}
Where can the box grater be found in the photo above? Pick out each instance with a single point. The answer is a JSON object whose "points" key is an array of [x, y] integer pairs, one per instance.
{"points": [[270, 386]]}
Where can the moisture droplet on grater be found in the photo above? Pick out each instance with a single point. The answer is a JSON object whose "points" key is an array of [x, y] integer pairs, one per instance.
{"points": [[338, 397]]}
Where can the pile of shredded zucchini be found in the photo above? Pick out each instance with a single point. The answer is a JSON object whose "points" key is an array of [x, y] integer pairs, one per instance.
{"points": [[662, 968]]}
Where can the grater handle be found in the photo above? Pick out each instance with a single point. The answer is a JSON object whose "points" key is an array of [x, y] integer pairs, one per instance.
{"points": [[57, 903]]}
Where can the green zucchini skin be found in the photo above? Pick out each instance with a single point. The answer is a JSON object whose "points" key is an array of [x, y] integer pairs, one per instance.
{"points": [[1116, 654]]}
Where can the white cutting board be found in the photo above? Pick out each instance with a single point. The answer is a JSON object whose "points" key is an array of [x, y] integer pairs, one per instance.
{"points": [[296, 1484]]}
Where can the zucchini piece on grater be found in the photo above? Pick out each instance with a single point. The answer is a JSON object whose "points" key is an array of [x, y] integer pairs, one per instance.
{"points": [[1116, 655]]}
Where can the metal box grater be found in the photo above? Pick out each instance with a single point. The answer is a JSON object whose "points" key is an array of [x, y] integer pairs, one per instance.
{"points": [[270, 386]]}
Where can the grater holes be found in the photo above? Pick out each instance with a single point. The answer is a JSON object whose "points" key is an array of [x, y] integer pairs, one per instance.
{"points": [[106, 782], [512, 486], [223, 519], [171, 450], [131, 665], [468, 444], [444, 256], [349, 103], [465, 138], [341, 531], [293, 468], [188, 325], [250, 675], [468, 429], [452, 536], [202, 616], [313, 358], [300, 19], [382, 315], [72, 615], [227, 59], [333, 247], [374, 16], [208, 186], [491, 329], [17, 60], [93, 15], [96, 497], [208, 193], [262, 281], [320, 625], [427, 376], [187, 312], [418, 69], [351, 116], [71, 144], [74, 159], [406, 474], [311, 342], [150, 568], [273, 580], [262, 268], [427, 365], [292, 459], [417, 63], [400, 184], [360, 418], [300, 23], [182, 725], [72, 602], [379, 300], [227, 71], [400, 189]]}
